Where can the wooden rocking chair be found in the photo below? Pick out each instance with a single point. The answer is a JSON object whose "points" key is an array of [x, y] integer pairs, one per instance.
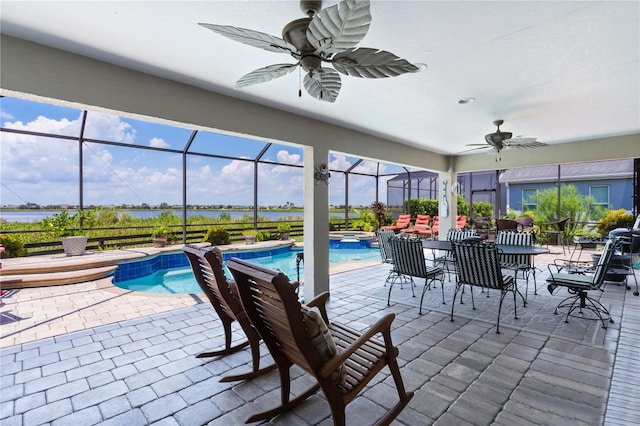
{"points": [[207, 269], [299, 335]]}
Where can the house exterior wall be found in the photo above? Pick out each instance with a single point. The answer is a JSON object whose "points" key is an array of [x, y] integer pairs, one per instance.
{"points": [[620, 191]]}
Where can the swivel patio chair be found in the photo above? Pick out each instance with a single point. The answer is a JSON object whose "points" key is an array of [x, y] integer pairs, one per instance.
{"points": [[206, 264], [523, 263], [478, 265], [342, 360], [579, 286], [403, 222], [557, 231], [409, 260]]}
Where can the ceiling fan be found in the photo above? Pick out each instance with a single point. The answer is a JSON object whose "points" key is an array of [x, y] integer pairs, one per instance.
{"points": [[325, 36], [500, 140]]}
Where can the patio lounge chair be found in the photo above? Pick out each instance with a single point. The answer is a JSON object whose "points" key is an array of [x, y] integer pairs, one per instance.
{"points": [[403, 222], [342, 360], [409, 260], [478, 264], [579, 286], [206, 264], [421, 227], [461, 221]]}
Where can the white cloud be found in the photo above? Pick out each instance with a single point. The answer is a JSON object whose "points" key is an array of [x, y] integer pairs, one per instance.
{"points": [[285, 157], [158, 143], [45, 170], [6, 115], [109, 127]]}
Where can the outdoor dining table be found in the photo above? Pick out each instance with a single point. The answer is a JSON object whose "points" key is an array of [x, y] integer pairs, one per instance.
{"points": [[510, 249], [506, 249]]}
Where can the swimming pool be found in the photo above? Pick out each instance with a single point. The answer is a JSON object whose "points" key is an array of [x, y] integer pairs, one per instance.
{"points": [[171, 273]]}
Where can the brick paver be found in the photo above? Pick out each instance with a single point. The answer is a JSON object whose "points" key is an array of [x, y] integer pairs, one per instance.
{"points": [[143, 370]]}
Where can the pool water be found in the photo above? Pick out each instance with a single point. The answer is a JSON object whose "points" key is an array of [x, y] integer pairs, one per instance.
{"points": [[182, 281]]}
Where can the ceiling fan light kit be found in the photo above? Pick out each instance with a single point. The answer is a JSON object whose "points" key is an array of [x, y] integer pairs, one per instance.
{"points": [[326, 36]]}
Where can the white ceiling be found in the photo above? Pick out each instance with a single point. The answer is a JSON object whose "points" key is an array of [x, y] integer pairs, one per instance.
{"points": [[560, 71]]}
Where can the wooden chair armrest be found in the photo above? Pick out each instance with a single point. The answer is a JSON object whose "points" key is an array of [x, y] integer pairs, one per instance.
{"points": [[319, 302], [383, 325]]}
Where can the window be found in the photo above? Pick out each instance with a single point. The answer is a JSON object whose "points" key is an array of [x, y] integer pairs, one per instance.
{"points": [[529, 198], [600, 195]]}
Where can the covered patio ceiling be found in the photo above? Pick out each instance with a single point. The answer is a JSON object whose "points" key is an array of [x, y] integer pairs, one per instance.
{"points": [[559, 71]]}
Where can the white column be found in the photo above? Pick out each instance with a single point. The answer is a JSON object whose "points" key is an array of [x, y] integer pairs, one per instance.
{"points": [[316, 224], [449, 210]]}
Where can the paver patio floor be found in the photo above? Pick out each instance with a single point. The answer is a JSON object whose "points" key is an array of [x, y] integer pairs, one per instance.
{"points": [[82, 355]]}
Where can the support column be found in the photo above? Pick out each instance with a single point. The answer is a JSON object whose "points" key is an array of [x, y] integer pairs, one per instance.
{"points": [[449, 212], [316, 224]]}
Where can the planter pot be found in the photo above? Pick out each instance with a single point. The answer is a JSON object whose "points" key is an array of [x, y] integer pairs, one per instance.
{"points": [[250, 239], [285, 236], [74, 246], [159, 242]]}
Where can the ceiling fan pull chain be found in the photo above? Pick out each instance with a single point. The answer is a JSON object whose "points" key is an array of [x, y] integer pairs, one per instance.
{"points": [[299, 83]]}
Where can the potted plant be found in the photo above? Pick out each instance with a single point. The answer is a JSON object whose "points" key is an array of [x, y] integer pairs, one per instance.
{"points": [[159, 236], [250, 236], [71, 229], [284, 229]]}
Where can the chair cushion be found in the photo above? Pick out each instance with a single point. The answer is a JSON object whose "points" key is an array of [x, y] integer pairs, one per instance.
{"points": [[322, 341]]}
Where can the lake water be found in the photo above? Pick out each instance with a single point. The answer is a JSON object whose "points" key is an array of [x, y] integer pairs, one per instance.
{"points": [[37, 215]]}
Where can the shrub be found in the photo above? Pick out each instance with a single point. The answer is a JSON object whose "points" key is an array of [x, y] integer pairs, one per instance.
{"points": [[12, 246], [160, 232], [284, 227], [267, 236], [615, 219], [65, 225], [483, 209], [366, 220], [217, 236], [380, 212]]}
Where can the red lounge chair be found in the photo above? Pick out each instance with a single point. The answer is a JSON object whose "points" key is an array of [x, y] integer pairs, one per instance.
{"points": [[435, 226], [461, 222], [421, 227], [403, 222]]}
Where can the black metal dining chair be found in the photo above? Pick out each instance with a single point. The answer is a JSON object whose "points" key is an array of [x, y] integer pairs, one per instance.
{"points": [[478, 265], [409, 261], [519, 263]]}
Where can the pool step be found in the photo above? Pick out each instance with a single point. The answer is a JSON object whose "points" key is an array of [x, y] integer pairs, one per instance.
{"points": [[23, 280]]}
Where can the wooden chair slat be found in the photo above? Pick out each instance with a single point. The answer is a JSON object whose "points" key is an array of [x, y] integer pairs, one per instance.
{"points": [[273, 307], [206, 264]]}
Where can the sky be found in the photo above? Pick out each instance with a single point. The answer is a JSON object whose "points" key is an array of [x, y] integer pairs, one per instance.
{"points": [[45, 171]]}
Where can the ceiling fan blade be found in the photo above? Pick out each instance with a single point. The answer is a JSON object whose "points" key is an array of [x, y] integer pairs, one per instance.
{"points": [[478, 148], [323, 84], [483, 145], [262, 75], [371, 63], [524, 143], [252, 38], [339, 27]]}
